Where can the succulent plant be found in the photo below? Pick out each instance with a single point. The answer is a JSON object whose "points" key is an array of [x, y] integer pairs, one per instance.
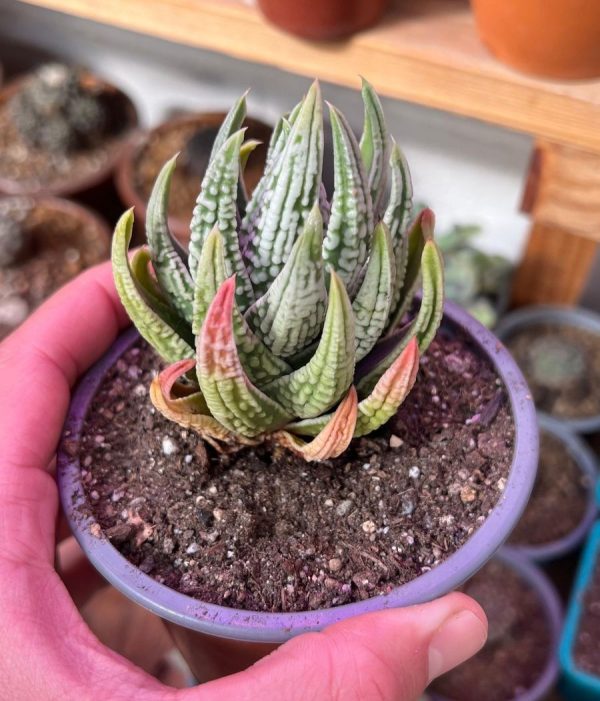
{"points": [[556, 363], [55, 111], [287, 323], [14, 239]]}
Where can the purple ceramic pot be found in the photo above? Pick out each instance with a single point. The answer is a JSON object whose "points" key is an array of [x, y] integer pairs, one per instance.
{"points": [[553, 611], [237, 637], [587, 463]]}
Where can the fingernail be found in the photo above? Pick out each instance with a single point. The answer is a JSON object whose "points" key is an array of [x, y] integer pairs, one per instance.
{"points": [[457, 639]]}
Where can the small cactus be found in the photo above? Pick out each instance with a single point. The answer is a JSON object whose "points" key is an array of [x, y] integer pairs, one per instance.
{"points": [[56, 112], [556, 363], [14, 240]]}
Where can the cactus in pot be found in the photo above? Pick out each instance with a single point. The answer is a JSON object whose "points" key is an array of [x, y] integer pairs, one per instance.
{"points": [[287, 321]]}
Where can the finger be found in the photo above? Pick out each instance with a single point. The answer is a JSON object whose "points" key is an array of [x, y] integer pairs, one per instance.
{"points": [[385, 656], [79, 576]]}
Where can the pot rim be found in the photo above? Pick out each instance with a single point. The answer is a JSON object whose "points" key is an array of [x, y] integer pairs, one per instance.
{"points": [[560, 315], [553, 609], [265, 627], [74, 183], [588, 465]]}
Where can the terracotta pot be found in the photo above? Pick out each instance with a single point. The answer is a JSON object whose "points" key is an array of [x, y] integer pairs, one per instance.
{"points": [[551, 38], [326, 19], [77, 181], [126, 176]]}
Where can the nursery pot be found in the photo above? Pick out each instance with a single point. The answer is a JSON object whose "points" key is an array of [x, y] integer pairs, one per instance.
{"points": [[588, 465], [77, 181], [530, 317], [550, 38], [551, 606], [577, 683], [327, 19], [126, 174], [218, 640]]}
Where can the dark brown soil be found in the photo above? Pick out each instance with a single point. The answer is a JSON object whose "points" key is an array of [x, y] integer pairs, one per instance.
{"points": [[518, 641], [575, 396], [38, 169], [62, 245], [163, 144], [261, 529], [587, 642], [559, 497]]}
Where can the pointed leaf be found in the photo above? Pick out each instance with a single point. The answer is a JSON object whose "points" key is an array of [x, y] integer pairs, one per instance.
{"points": [[233, 122], [230, 395], [179, 397], [397, 215], [389, 392], [371, 306], [289, 316], [259, 362], [346, 243], [374, 143], [216, 206], [334, 437], [287, 195], [158, 331], [317, 386], [170, 269]]}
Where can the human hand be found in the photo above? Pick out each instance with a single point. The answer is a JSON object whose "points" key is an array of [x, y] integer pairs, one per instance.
{"points": [[46, 650]]}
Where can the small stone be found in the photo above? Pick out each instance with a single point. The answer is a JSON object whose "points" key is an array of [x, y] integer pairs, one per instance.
{"points": [[414, 472], [139, 390], [467, 494], [328, 502], [501, 484], [396, 441], [212, 489], [343, 507], [193, 548], [99, 438], [94, 496], [335, 564], [96, 530], [169, 447], [369, 527], [219, 514], [188, 459]]}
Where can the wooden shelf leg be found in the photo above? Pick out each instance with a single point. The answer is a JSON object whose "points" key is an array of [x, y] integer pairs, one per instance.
{"points": [[563, 197]]}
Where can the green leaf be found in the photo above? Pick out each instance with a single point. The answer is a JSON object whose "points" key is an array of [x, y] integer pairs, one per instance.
{"points": [[397, 215], [286, 197], [230, 395], [260, 363], [216, 206], [158, 331], [371, 306], [318, 385], [289, 316], [420, 232], [171, 272], [374, 142], [345, 247], [233, 122]]}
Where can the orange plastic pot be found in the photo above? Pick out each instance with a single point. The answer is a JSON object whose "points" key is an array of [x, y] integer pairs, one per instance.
{"points": [[550, 38], [325, 19]]}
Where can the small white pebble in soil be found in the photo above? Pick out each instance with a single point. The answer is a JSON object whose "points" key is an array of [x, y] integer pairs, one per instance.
{"points": [[501, 484], [366, 466], [212, 489], [218, 514], [343, 507], [467, 494], [94, 496], [192, 548], [414, 472], [230, 554], [88, 461], [328, 502], [188, 459], [368, 527], [169, 447], [99, 439], [335, 564], [96, 530], [396, 441], [139, 390], [446, 520]]}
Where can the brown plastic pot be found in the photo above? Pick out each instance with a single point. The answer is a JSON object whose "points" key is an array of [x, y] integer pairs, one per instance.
{"points": [[326, 19], [549, 38], [126, 177], [77, 181]]}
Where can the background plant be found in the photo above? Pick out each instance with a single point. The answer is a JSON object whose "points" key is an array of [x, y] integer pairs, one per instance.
{"points": [[288, 318]]}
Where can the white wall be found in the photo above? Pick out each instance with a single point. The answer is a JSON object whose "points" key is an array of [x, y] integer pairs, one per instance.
{"points": [[467, 171]]}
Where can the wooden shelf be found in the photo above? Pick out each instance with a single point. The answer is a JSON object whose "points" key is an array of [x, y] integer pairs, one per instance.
{"points": [[426, 52]]}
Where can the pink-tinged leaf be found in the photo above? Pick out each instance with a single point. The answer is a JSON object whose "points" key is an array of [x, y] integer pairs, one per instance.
{"points": [[333, 439], [389, 392], [230, 395], [180, 397]]}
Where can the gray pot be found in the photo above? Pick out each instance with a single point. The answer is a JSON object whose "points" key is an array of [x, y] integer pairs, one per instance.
{"points": [[525, 319]]}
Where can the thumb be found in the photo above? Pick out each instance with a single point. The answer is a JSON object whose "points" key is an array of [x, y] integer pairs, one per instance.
{"points": [[385, 656]]}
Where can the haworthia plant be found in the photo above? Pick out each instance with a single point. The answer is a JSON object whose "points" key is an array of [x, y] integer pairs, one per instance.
{"points": [[291, 320]]}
